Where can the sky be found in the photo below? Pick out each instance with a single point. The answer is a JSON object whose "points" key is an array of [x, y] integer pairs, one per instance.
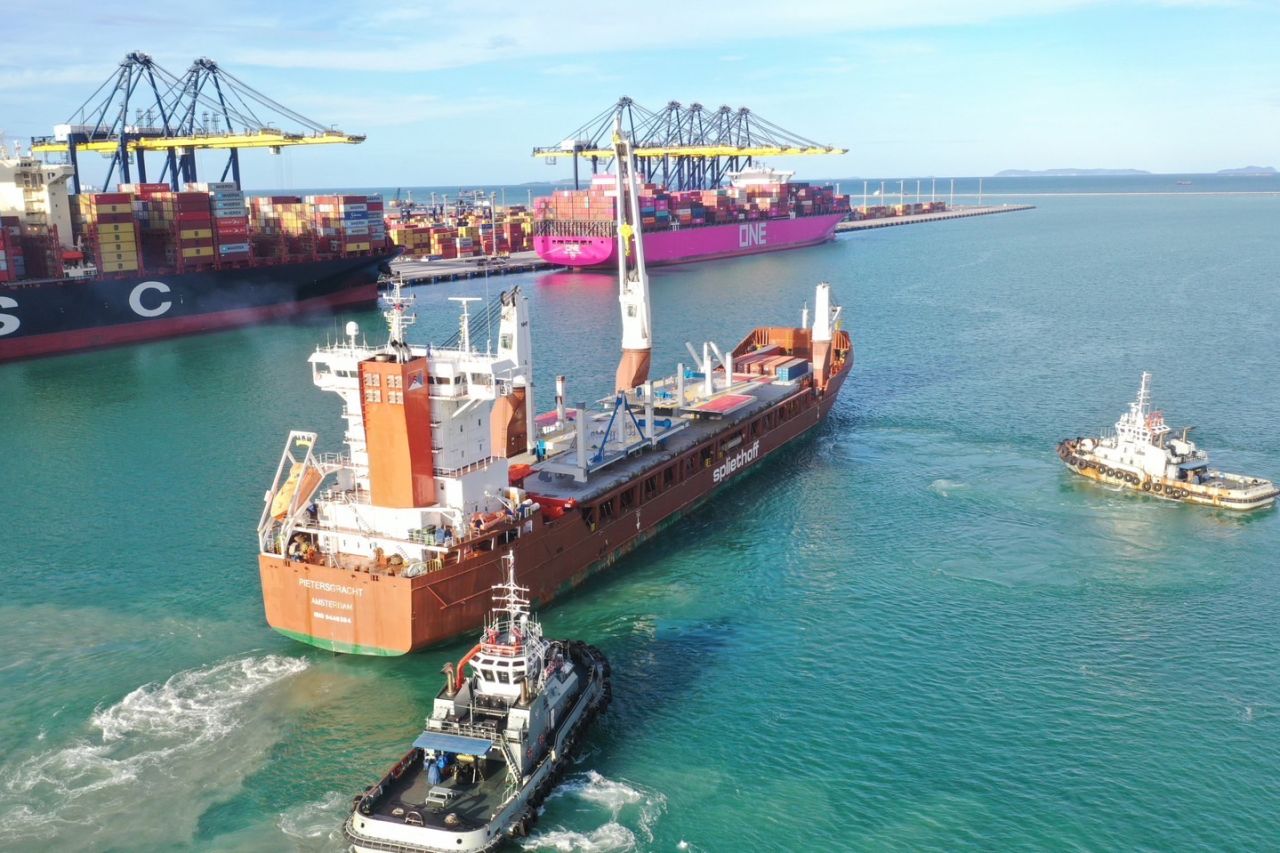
{"points": [[452, 93]]}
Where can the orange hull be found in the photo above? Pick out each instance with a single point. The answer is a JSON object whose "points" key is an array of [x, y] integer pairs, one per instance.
{"points": [[385, 614]]}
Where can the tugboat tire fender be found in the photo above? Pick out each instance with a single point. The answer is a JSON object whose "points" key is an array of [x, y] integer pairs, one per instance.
{"points": [[1146, 485]]}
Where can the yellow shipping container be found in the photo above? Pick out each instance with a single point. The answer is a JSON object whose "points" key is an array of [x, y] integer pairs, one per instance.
{"points": [[113, 266], [357, 247], [196, 233], [116, 228], [199, 252], [110, 208]]}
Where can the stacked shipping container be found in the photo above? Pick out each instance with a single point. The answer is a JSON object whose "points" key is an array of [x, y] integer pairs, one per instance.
{"points": [[206, 226], [349, 223], [663, 210], [473, 233], [110, 231]]}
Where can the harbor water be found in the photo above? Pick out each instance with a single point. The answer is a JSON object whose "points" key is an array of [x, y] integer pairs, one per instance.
{"points": [[913, 630]]}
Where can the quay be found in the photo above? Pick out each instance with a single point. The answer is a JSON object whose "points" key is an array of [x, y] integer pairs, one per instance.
{"points": [[415, 271], [915, 218]]}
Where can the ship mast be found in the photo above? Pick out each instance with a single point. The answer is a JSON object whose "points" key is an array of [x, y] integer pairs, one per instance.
{"points": [[398, 317], [633, 281]]}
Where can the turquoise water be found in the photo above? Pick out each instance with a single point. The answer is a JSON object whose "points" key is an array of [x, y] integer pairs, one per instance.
{"points": [[914, 630]]}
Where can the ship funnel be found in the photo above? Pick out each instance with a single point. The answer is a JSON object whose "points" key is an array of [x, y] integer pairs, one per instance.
{"points": [[450, 682], [822, 313], [633, 280], [820, 353]]}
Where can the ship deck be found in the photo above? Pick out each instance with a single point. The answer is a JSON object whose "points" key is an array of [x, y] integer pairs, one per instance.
{"points": [[405, 799], [563, 487]]}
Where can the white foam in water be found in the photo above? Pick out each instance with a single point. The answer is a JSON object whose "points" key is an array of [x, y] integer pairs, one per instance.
{"points": [[946, 487], [610, 837], [632, 814], [161, 753], [320, 819]]}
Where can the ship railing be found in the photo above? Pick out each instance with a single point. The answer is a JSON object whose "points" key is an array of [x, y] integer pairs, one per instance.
{"points": [[465, 469], [471, 729], [333, 460], [513, 766], [575, 228], [355, 495]]}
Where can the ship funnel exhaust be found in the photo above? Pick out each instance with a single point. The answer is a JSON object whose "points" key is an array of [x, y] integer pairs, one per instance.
{"points": [[450, 682], [633, 280], [822, 313], [821, 350]]}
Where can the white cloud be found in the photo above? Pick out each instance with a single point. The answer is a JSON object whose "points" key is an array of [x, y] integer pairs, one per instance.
{"points": [[429, 37]]}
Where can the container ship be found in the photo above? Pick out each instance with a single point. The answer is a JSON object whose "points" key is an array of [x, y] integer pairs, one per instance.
{"points": [[762, 210], [148, 262], [393, 545]]}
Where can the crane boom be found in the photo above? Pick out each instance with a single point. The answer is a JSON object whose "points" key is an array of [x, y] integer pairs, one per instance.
{"points": [[633, 279]]}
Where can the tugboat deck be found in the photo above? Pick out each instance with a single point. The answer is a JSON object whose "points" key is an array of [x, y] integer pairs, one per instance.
{"points": [[472, 802]]}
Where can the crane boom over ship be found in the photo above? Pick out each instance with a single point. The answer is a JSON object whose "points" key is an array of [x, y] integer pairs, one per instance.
{"points": [[633, 280]]}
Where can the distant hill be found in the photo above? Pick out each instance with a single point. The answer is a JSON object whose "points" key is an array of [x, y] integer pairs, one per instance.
{"points": [[1066, 173], [1249, 170]]}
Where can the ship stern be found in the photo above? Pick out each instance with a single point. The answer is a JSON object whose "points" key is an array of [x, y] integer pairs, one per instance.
{"points": [[341, 611]]}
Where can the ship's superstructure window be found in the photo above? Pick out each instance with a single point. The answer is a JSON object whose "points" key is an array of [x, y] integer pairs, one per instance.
{"points": [[373, 395], [372, 380]]}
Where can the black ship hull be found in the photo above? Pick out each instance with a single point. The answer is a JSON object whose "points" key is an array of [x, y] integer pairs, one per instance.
{"points": [[40, 318]]}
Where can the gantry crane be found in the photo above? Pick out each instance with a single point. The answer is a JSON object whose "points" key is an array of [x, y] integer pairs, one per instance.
{"points": [[684, 148], [207, 108]]}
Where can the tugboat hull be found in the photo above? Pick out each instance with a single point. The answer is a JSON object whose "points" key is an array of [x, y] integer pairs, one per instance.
{"points": [[1221, 491], [371, 829]]}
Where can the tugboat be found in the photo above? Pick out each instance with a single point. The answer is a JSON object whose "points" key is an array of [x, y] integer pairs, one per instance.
{"points": [[497, 740], [1142, 456]]}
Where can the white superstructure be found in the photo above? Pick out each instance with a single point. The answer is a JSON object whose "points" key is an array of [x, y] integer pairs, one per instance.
{"points": [[1141, 453], [37, 192], [471, 485]]}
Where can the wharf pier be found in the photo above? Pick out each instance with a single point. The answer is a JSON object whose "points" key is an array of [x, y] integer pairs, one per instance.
{"points": [[935, 216], [416, 271], [451, 269]]}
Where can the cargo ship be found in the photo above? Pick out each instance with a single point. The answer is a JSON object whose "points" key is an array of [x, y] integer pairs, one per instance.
{"points": [[762, 210], [148, 262], [392, 545]]}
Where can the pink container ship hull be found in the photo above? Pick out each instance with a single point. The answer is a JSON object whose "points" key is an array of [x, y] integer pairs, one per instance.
{"points": [[696, 243]]}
